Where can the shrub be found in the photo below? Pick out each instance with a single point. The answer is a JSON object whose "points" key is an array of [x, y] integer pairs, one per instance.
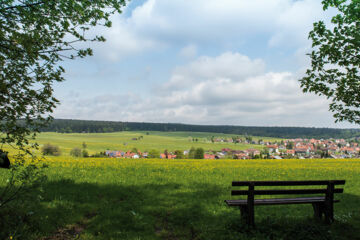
{"points": [[179, 154], [85, 153], [52, 150], [191, 153], [199, 153], [4, 160], [154, 154], [76, 152], [134, 150], [100, 154], [20, 196]]}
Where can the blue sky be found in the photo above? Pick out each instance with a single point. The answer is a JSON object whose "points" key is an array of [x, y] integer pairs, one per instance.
{"points": [[201, 62]]}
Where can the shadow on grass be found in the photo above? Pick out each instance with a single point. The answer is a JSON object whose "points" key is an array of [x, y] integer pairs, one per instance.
{"points": [[175, 211]]}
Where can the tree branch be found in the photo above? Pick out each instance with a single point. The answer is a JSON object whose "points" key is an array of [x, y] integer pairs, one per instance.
{"points": [[22, 6]]}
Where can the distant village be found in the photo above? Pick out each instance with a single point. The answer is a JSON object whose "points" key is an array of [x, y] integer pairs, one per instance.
{"points": [[285, 149]]}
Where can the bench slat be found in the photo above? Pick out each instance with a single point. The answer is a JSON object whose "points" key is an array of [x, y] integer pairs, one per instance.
{"points": [[288, 183], [285, 191], [278, 201]]}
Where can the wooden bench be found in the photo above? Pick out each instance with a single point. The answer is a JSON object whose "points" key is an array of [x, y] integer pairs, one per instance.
{"points": [[323, 202]]}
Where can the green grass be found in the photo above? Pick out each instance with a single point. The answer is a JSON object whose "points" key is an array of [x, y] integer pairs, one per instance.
{"points": [[183, 199], [171, 141]]}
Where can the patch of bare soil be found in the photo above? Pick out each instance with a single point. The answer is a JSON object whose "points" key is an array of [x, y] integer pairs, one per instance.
{"points": [[72, 231]]}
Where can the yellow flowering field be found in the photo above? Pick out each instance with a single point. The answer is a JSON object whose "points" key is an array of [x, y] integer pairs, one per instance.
{"points": [[184, 199]]}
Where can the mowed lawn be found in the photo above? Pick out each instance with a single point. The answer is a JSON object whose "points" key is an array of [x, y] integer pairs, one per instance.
{"points": [[184, 199], [99, 142]]}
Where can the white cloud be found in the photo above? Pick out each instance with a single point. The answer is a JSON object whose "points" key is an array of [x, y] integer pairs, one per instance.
{"points": [[162, 23], [121, 41], [227, 65], [228, 89], [189, 51]]}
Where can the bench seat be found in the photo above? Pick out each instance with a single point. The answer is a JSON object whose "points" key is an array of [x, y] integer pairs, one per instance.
{"points": [[278, 201]]}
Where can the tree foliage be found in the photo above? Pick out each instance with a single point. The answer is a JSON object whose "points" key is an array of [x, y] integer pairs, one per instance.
{"points": [[20, 197], [85, 153], [153, 153], [51, 150], [179, 154], [199, 153], [76, 152], [335, 60], [35, 36], [191, 154]]}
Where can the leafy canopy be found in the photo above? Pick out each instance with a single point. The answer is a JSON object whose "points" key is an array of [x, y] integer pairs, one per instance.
{"points": [[35, 36], [335, 60]]}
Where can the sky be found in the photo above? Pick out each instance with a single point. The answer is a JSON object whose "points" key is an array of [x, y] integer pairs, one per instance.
{"points": [[228, 62]]}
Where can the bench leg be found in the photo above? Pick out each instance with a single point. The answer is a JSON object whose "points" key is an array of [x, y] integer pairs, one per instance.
{"points": [[318, 210], [329, 212], [247, 215], [329, 203], [251, 216]]}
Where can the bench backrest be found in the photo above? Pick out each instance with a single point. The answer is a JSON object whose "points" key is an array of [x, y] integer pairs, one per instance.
{"points": [[329, 190]]}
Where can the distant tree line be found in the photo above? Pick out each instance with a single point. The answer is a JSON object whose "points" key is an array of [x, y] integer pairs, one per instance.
{"points": [[85, 126]]}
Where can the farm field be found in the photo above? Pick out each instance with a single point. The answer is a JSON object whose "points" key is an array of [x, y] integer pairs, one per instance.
{"points": [[171, 141], [183, 199]]}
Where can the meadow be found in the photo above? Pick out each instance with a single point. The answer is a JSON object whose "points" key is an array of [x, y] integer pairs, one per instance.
{"points": [[181, 199], [99, 142]]}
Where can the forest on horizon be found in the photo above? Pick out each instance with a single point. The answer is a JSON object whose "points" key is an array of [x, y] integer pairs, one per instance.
{"points": [[91, 126]]}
